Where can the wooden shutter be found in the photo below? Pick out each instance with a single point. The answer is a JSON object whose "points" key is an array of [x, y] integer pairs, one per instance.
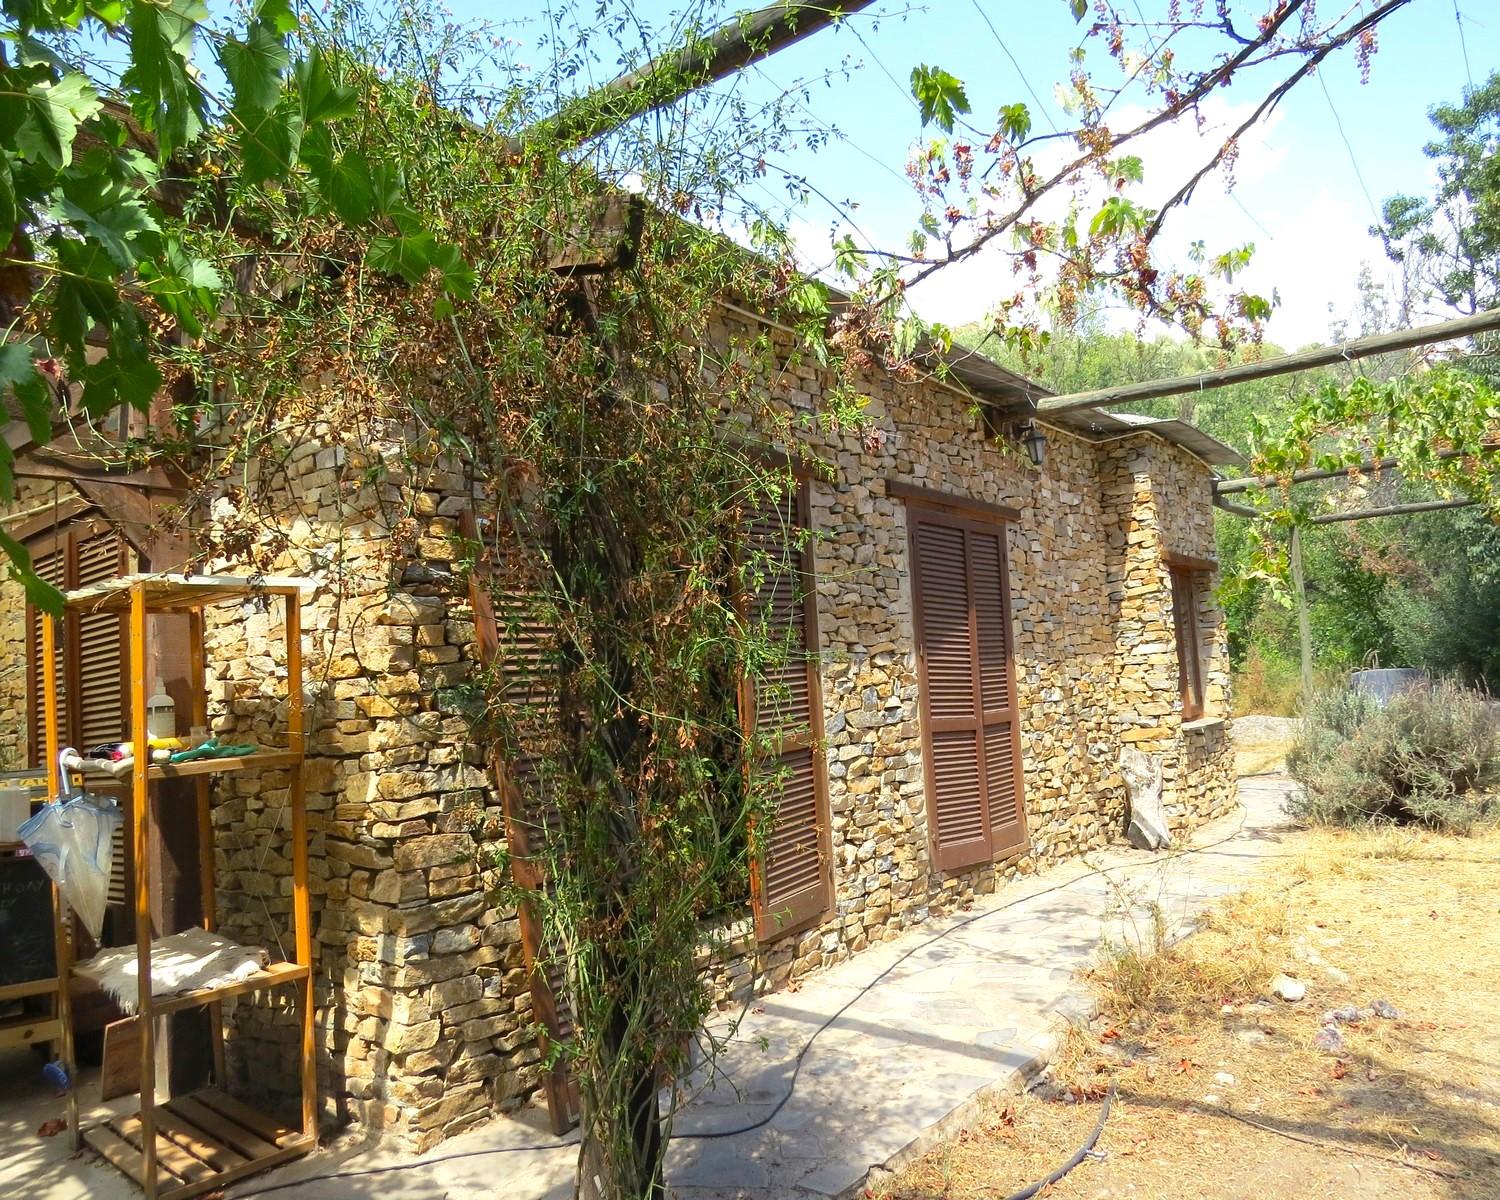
{"points": [[51, 565], [101, 661], [91, 658], [1189, 647], [997, 688], [965, 666], [512, 643], [792, 884]]}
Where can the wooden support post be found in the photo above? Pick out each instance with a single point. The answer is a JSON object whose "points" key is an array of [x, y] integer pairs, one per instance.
{"points": [[62, 945], [140, 819], [1304, 630], [207, 899], [301, 899]]}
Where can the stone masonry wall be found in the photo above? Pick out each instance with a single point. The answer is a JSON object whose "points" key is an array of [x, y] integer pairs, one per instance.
{"points": [[1089, 652], [423, 1015], [1158, 495], [423, 1012]]}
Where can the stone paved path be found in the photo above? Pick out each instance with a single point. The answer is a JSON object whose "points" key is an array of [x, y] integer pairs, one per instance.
{"points": [[921, 1029]]}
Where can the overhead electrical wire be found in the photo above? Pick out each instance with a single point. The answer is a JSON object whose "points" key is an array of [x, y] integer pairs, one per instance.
{"points": [[1463, 43], [1041, 106], [1353, 158]]}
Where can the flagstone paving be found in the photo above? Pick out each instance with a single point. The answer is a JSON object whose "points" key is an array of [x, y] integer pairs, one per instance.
{"points": [[896, 1047]]}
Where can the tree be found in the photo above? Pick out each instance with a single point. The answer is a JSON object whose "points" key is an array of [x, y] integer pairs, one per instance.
{"points": [[1449, 243]]}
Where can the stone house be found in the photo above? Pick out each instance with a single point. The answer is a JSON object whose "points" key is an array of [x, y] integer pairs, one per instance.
{"points": [[990, 633]]}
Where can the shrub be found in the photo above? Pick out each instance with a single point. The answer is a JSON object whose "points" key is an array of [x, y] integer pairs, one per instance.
{"points": [[1431, 757], [1268, 684]]}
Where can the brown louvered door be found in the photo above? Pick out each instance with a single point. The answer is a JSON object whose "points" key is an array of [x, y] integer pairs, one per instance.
{"points": [[512, 643], [1189, 649], [965, 673], [791, 884], [999, 724]]}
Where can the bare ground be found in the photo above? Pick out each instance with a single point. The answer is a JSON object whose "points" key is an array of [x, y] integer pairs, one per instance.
{"points": [[1409, 1108]]}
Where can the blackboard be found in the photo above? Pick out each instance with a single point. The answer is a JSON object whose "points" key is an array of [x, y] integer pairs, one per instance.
{"points": [[26, 934]]}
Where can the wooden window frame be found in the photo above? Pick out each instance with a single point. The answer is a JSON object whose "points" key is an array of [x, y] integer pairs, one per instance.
{"points": [[1187, 601], [770, 923], [990, 520]]}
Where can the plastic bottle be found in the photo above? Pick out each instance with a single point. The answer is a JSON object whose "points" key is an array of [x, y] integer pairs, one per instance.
{"points": [[161, 714]]}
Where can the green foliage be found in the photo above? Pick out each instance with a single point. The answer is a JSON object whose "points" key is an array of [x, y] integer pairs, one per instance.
{"points": [[1450, 242], [1443, 607], [1015, 122], [1268, 682], [114, 266], [939, 95], [1430, 757]]}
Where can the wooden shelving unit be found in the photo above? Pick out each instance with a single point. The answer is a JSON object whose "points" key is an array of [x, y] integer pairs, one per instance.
{"points": [[30, 1029], [186, 1145]]}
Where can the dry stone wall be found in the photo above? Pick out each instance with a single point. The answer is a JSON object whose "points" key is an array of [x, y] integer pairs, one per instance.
{"points": [[1158, 496], [423, 1010], [423, 1014]]}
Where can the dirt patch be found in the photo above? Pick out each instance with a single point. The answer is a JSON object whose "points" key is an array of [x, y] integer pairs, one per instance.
{"points": [[1214, 1091], [1261, 743]]}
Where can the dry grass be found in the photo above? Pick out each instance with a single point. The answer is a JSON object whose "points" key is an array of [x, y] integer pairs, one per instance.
{"points": [[1143, 979], [1261, 757], [1401, 915]]}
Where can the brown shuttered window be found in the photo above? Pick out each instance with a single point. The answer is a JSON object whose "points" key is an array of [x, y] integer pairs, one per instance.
{"points": [[514, 644], [90, 664], [792, 885], [1185, 591], [970, 732]]}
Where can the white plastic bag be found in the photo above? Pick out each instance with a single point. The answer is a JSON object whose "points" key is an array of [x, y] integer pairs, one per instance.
{"points": [[74, 842]]}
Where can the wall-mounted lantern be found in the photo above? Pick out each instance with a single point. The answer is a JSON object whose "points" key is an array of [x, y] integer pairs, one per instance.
{"points": [[1030, 436]]}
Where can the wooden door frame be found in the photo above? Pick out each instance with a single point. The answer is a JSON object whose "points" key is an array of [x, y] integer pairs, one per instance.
{"points": [[949, 510]]}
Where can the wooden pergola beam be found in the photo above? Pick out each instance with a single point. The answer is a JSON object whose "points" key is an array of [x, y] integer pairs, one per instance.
{"points": [[1369, 466], [698, 63], [1283, 364], [1390, 510], [1358, 514]]}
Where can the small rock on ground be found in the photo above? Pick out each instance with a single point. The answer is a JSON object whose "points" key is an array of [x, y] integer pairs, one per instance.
{"points": [[1284, 987]]}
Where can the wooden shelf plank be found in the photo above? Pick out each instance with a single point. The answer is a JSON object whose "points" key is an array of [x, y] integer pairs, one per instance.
{"points": [[253, 1119], [182, 593], [222, 1129], [261, 760], [204, 1141], [169, 1155], [32, 987], [275, 975], [128, 1158], [195, 1141], [29, 1031]]}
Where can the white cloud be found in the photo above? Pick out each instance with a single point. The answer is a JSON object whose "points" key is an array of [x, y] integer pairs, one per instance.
{"points": [[1309, 247]]}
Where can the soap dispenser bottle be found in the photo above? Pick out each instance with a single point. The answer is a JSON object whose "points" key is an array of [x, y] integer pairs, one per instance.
{"points": [[161, 714]]}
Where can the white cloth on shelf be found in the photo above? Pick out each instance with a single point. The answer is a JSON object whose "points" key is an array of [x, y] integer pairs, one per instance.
{"points": [[180, 962]]}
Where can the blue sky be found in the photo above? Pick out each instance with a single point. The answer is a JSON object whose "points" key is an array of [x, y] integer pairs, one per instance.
{"points": [[1299, 195]]}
